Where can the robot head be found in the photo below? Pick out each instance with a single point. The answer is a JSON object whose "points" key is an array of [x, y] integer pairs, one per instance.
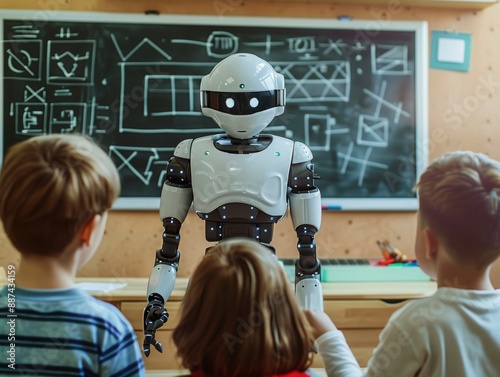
{"points": [[243, 94]]}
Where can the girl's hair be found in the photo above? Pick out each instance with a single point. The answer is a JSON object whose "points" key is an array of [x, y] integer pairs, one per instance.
{"points": [[240, 316], [458, 196], [50, 187]]}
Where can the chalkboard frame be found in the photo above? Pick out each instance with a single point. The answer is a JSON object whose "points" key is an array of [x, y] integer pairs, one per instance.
{"points": [[367, 29]]}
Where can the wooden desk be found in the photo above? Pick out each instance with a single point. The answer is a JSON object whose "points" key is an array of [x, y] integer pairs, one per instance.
{"points": [[135, 290], [360, 310]]}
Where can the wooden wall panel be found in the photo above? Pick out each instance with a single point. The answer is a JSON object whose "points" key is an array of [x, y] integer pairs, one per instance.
{"points": [[458, 117]]}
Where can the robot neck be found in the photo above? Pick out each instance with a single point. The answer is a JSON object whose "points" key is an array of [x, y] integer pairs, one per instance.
{"points": [[228, 144]]}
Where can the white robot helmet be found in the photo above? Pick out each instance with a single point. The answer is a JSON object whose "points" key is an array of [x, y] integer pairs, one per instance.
{"points": [[242, 94]]}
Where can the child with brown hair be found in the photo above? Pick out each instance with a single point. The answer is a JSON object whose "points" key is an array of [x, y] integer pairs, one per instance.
{"points": [[455, 332], [55, 193], [240, 317]]}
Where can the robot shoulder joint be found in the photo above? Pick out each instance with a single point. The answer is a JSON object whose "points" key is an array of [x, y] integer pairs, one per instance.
{"points": [[301, 153], [183, 149]]}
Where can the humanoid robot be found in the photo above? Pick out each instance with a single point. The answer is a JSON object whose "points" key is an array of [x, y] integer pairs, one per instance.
{"points": [[239, 182]]}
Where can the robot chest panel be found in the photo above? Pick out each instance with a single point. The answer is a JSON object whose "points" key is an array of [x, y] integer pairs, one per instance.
{"points": [[259, 179]]}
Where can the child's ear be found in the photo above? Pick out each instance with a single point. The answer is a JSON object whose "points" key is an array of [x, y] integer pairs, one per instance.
{"points": [[88, 230], [431, 243]]}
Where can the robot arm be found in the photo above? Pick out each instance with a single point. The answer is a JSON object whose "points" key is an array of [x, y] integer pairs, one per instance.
{"points": [[176, 199], [305, 207]]}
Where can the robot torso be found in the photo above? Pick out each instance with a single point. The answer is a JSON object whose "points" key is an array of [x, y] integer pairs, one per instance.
{"points": [[257, 179]]}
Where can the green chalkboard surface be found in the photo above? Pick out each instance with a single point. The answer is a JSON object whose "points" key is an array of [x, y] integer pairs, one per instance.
{"points": [[356, 93]]}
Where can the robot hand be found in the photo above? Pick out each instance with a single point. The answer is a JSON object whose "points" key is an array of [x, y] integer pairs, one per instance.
{"points": [[155, 315]]}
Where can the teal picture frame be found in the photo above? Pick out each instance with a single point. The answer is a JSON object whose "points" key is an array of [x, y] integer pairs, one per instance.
{"points": [[459, 44]]}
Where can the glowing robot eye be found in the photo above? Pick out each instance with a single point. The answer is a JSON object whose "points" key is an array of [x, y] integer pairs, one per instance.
{"points": [[254, 102], [230, 103]]}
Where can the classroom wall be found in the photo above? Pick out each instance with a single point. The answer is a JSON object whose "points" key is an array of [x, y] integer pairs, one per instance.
{"points": [[459, 118]]}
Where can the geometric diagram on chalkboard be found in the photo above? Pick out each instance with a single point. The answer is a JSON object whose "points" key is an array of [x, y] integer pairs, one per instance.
{"points": [[336, 46], [360, 159], [267, 44], [102, 123], [140, 46], [343, 49], [219, 44], [31, 118], [380, 101], [317, 131], [65, 33], [32, 94], [68, 118], [25, 31], [22, 60], [71, 62], [144, 90], [316, 127], [389, 59], [166, 95], [372, 131], [317, 81], [62, 92], [137, 160], [303, 44]]}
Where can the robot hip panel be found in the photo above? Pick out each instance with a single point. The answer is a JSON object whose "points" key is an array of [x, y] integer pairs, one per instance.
{"points": [[216, 231]]}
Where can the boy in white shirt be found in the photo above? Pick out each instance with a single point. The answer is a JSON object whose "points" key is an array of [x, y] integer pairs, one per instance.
{"points": [[455, 332]]}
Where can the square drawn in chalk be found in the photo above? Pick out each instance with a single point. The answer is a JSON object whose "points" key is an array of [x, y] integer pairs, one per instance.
{"points": [[167, 95], [389, 59], [22, 60], [68, 117], [318, 131], [31, 118], [71, 62], [372, 131], [316, 128]]}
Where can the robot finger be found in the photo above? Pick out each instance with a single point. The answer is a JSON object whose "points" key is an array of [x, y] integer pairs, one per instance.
{"points": [[157, 345], [148, 338], [163, 317]]}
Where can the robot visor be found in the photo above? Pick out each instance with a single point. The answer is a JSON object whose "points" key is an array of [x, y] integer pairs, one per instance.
{"points": [[244, 103]]}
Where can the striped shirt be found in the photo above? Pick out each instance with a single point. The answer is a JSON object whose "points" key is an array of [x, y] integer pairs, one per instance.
{"points": [[65, 332]]}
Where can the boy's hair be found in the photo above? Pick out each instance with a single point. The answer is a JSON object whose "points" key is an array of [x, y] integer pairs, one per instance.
{"points": [[240, 316], [50, 187], [458, 196]]}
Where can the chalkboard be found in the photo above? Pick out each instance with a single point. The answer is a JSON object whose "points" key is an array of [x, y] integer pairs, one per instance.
{"points": [[356, 93]]}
